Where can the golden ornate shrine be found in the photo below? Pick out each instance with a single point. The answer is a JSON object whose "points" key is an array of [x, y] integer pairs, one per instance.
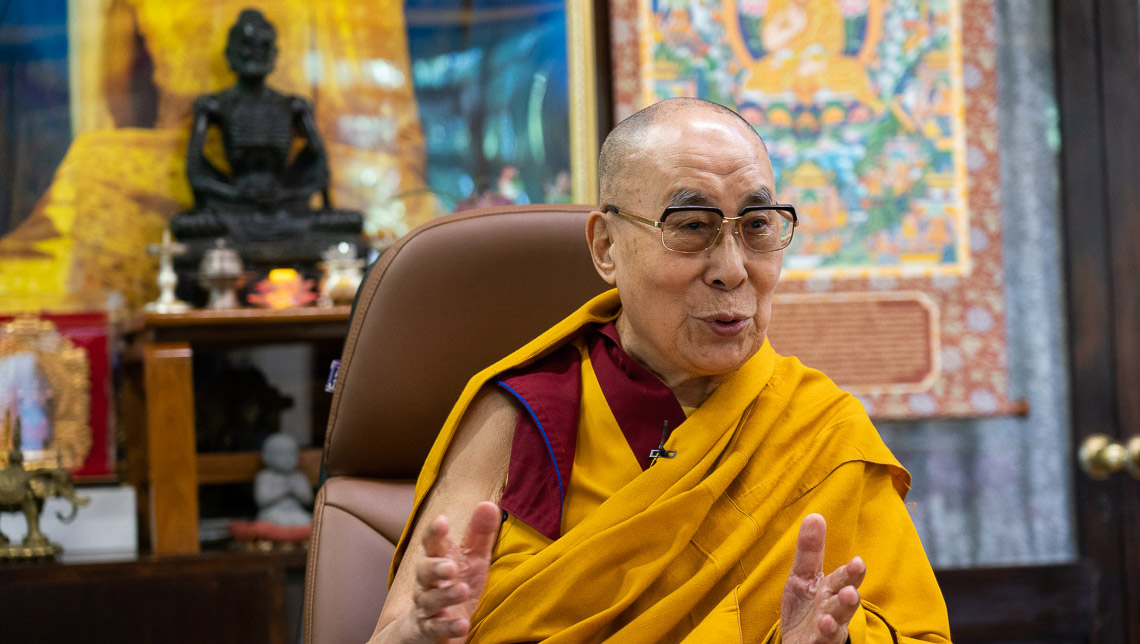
{"points": [[45, 381]]}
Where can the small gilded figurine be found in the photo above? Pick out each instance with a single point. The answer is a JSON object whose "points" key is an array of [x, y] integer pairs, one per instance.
{"points": [[25, 491]]}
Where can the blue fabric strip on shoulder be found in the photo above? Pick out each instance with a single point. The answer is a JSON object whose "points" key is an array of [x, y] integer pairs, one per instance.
{"points": [[541, 430]]}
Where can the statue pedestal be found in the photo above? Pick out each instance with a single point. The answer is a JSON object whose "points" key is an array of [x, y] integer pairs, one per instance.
{"points": [[263, 242], [20, 552]]}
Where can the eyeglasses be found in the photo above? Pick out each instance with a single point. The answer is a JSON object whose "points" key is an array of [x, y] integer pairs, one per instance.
{"points": [[694, 229]]}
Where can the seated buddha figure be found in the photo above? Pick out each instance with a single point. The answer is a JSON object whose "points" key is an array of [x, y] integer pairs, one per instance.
{"points": [[141, 67], [262, 204], [805, 41]]}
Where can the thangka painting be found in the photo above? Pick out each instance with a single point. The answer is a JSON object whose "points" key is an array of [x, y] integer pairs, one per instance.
{"points": [[880, 118]]}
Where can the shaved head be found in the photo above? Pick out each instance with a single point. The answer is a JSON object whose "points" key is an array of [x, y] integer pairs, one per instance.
{"points": [[627, 140]]}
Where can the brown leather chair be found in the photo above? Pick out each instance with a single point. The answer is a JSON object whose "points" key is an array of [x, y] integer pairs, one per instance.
{"points": [[450, 298]]}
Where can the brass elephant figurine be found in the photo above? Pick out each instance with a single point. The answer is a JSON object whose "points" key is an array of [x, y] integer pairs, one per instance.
{"points": [[25, 491]]}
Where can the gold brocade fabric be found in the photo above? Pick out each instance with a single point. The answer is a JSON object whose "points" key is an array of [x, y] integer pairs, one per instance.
{"points": [[698, 547], [120, 184], [87, 237]]}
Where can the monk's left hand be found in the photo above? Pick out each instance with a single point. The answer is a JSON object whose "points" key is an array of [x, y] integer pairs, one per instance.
{"points": [[817, 609]]}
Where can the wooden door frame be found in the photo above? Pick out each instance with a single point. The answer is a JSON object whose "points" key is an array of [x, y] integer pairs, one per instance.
{"points": [[1098, 89]]}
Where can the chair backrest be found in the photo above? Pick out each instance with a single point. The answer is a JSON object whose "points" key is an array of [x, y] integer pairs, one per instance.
{"points": [[452, 297]]}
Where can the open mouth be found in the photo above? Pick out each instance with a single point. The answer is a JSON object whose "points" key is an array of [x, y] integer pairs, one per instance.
{"points": [[727, 324]]}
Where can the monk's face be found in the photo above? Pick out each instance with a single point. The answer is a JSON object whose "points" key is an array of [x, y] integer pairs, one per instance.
{"points": [[690, 316]]}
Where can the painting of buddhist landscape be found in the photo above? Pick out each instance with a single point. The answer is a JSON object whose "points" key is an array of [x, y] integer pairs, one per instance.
{"points": [[860, 102]]}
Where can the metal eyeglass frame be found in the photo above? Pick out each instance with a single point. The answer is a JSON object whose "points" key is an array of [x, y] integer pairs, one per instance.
{"points": [[656, 223]]}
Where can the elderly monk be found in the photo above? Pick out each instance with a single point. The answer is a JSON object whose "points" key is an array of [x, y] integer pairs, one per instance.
{"points": [[650, 470]]}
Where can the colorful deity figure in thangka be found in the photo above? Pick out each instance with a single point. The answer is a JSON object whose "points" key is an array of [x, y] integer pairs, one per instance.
{"points": [[823, 214], [805, 60]]}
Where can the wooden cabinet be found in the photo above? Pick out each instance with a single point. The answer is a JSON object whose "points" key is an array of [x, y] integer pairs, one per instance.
{"points": [[215, 597], [157, 399]]}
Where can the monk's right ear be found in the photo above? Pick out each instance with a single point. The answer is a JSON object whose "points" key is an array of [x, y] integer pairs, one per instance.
{"points": [[600, 237]]}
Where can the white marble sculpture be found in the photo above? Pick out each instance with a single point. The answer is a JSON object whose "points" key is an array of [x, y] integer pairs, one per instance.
{"points": [[283, 493]]}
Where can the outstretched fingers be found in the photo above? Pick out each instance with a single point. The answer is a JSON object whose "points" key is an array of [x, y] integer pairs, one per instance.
{"points": [[449, 576], [842, 599], [438, 593], [851, 574], [443, 628], [432, 601], [798, 605], [436, 541], [808, 561], [478, 545], [436, 572], [835, 616], [482, 531], [816, 608]]}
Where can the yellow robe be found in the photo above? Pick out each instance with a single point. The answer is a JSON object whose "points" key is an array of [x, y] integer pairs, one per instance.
{"points": [[604, 462], [698, 548]]}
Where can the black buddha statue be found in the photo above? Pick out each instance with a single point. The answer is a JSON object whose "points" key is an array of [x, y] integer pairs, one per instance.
{"points": [[277, 163]]}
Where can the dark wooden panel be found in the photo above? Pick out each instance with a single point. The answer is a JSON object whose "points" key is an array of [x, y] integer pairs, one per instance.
{"points": [[235, 327], [1120, 63], [241, 335], [248, 316], [1089, 278], [1120, 56], [130, 409], [603, 69], [1084, 217], [1025, 604], [222, 597]]}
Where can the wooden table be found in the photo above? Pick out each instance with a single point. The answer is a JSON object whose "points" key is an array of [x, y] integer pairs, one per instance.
{"points": [[158, 401]]}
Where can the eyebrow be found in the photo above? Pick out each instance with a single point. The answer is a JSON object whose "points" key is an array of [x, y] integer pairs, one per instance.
{"points": [[688, 197], [759, 197]]}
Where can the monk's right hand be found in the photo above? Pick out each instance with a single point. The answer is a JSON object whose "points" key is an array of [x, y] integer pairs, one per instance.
{"points": [[450, 577], [817, 609]]}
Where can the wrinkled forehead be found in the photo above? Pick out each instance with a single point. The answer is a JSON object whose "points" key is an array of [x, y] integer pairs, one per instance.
{"points": [[684, 154]]}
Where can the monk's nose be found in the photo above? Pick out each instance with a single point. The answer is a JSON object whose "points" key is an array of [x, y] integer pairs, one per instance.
{"points": [[726, 268]]}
